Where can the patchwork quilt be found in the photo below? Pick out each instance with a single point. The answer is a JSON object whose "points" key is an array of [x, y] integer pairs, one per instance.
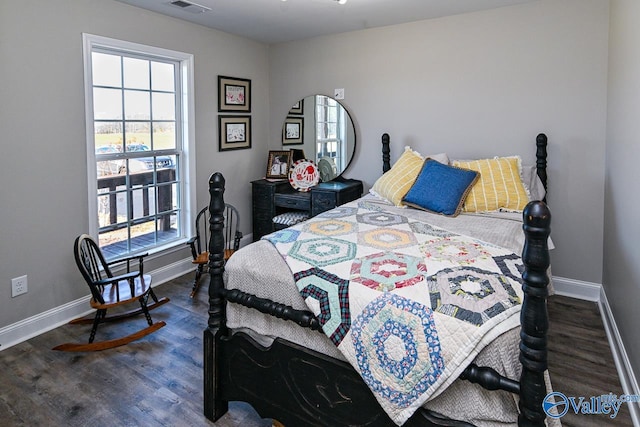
{"points": [[408, 304]]}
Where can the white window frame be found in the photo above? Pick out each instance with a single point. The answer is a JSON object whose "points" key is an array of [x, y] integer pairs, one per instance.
{"points": [[185, 124], [340, 130]]}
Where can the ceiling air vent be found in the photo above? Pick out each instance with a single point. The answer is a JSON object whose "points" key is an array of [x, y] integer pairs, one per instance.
{"points": [[190, 6]]}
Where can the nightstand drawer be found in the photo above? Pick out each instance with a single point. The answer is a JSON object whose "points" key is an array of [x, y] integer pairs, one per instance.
{"points": [[349, 194], [301, 201], [322, 201], [328, 195]]}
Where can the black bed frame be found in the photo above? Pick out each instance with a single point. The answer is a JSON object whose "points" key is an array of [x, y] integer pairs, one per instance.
{"points": [[300, 387]]}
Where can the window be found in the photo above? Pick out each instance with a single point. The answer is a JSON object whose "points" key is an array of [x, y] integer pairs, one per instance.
{"points": [[330, 130], [137, 99]]}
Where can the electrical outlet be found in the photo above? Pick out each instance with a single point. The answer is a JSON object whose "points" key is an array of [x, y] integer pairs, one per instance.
{"points": [[19, 286]]}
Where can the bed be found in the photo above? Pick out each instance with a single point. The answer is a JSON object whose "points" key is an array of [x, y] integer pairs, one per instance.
{"points": [[265, 344]]}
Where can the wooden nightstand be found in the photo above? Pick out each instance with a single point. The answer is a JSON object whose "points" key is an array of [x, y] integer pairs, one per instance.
{"points": [[275, 198]]}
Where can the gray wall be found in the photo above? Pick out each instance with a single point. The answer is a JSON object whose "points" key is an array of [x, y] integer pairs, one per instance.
{"points": [[44, 172], [480, 84], [622, 227]]}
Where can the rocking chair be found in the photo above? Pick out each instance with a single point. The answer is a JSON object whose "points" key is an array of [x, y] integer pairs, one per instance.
{"points": [[199, 242], [108, 291]]}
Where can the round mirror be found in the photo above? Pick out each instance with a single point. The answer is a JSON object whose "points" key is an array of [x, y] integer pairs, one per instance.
{"points": [[319, 128]]}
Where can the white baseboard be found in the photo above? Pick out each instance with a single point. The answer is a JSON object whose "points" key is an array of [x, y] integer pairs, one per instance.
{"points": [[578, 289], [620, 357], [40, 323], [35, 325], [169, 272]]}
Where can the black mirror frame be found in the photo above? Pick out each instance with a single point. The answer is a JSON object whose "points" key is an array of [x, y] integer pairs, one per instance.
{"points": [[294, 115]]}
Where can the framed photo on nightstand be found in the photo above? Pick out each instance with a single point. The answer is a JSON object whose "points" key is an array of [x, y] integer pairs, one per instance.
{"points": [[278, 164]]}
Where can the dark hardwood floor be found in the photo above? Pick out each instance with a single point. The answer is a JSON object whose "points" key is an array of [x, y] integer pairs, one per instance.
{"points": [[158, 380], [580, 360]]}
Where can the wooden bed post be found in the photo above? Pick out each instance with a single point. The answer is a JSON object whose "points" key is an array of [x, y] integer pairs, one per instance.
{"points": [[541, 160], [533, 317], [386, 153], [214, 407]]}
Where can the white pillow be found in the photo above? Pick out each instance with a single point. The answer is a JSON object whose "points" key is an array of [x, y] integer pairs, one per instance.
{"points": [[440, 157], [532, 182]]}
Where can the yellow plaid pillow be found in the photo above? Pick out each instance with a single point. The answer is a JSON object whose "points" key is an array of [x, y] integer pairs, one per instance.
{"points": [[499, 187], [397, 181]]}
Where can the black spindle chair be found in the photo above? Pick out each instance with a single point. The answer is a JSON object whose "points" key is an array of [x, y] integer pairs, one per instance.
{"points": [[109, 291], [199, 242]]}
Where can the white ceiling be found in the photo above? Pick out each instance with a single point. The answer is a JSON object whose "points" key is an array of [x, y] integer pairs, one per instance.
{"points": [[276, 21]]}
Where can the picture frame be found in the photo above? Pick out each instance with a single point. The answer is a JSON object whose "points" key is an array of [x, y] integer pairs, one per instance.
{"points": [[278, 164], [293, 131], [234, 95], [234, 132], [298, 107], [297, 154]]}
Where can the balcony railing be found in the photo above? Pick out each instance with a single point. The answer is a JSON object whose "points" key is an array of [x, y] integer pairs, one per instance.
{"points": [[138, 186]]}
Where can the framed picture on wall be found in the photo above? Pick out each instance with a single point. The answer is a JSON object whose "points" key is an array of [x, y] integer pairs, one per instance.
{"points": [[292, 130], [278, 164], [234, 132], [234, 94], [298, 108]]}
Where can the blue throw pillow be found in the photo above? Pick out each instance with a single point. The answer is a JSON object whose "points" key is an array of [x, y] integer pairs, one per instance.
{"points": [[440, 188]]}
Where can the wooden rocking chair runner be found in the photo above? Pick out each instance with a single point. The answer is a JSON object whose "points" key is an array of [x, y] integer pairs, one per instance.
{"points": [[199, 242], [109, 291]]}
